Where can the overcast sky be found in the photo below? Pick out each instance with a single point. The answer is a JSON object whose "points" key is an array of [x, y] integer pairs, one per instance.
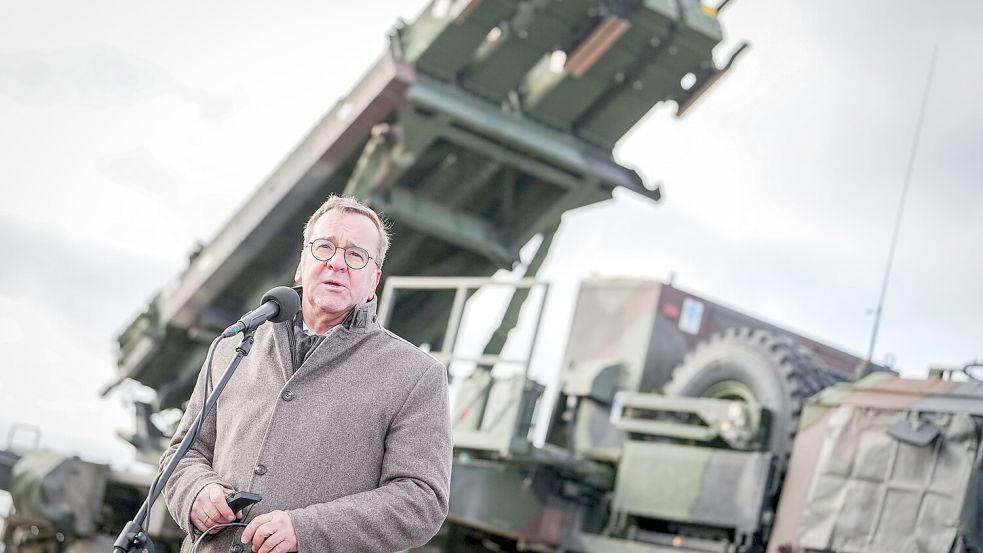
{"points": [[131, 131]]}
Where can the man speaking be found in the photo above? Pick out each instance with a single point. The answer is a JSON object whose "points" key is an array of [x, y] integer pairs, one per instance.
{"points": [[341, 426]]}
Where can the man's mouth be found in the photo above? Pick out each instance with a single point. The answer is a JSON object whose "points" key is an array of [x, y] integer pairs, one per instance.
{"points": [[333, 284]]}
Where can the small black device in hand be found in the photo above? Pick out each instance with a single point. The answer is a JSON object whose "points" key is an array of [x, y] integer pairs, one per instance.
{"points": [[240, 500]]}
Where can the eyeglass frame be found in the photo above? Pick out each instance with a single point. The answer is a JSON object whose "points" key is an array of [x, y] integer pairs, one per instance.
{"points": [[344, 254]]}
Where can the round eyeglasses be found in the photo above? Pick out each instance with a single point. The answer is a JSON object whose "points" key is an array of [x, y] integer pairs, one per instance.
{"points": [[355, 257]]}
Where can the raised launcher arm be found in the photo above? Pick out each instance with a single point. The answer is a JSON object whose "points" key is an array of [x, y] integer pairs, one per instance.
{"points": [[483, 123]]}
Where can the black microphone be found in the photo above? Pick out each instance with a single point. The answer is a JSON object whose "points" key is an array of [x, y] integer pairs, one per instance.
{"points": [[278, 305]]}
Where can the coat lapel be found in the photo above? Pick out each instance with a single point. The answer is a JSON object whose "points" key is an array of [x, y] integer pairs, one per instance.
{"points": [[361, 320]]}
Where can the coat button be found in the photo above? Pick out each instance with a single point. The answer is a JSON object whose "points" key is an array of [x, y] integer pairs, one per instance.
{"points": [[260, 470], [287, 395], [237, 548]]}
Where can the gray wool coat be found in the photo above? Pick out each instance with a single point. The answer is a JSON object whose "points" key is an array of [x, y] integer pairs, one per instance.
{"points": [[355, 445]]}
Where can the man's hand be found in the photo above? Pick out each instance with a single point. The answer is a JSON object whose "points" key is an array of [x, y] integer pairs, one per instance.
{"points": [[210, 507], [272, 532]]}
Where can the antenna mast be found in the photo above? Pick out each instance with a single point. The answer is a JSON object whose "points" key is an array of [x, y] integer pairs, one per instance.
{"points": [[901, 206]]}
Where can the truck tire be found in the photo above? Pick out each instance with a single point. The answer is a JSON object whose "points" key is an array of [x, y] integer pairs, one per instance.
{"points": [[755, 365]]}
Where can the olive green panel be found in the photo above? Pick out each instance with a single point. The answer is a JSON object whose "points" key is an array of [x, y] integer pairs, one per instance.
{"points": [[687, 50], [555, 97], [657, 81], [614, 118], [542, 144], [873, 492], [538, 27], [445, 36], [612, 323], [658, 480], [520, 502], [694, 485], [558, 96], [454, 226]]}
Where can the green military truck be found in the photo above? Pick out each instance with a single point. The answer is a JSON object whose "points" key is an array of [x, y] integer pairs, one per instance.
{"points": [[760, 439], [671, 422]]}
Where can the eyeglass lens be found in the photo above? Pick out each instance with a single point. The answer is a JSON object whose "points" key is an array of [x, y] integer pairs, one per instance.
{"points": [[355, 257]]}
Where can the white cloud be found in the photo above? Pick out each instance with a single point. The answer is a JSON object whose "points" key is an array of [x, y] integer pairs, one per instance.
{"points": [[11, 332]]}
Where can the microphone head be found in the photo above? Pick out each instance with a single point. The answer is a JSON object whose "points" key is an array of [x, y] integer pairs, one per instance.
{"points": [[287, 299]]}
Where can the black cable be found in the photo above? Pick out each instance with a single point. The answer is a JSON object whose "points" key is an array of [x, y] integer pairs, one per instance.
{"points": [[194, 548], [208, 368], [245, 515]]}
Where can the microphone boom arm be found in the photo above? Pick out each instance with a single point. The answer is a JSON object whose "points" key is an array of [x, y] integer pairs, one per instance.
{"points": [[133, 538]]}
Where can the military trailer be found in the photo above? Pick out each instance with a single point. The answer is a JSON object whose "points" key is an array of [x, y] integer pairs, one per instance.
{"points": [[887, 464]]}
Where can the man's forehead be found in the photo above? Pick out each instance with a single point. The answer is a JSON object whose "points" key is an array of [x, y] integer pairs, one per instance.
{"points": [[340, 240], [344, 220], [351, 227]]}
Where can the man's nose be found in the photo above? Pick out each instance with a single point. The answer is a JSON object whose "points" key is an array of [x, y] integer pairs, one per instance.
{"points": [[337, 259]]}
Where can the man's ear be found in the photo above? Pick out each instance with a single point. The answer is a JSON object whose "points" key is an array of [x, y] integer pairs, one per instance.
{"points": [[298, 278], [375, 282]]}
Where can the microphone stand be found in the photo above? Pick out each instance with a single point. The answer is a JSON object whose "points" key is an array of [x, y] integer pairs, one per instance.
{"points": [[133, 538]]}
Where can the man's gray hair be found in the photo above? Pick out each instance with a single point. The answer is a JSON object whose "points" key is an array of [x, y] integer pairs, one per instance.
{"points": [[349, 204]]}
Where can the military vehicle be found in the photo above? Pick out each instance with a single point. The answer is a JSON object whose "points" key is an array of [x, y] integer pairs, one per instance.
{"points": [[699, 466], [709, 464], [66, 504], [480, 126]]}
